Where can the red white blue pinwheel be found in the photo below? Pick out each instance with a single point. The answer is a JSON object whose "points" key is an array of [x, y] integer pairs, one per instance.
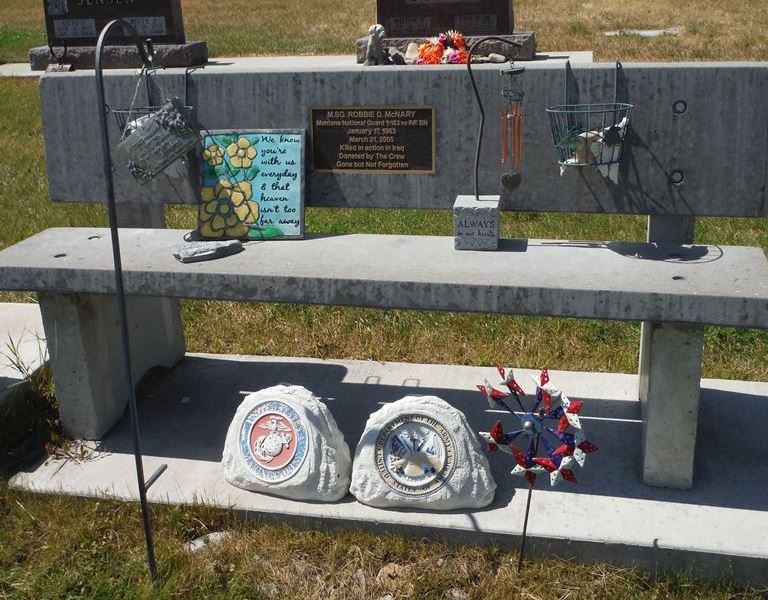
{"points": [[550, 422]]}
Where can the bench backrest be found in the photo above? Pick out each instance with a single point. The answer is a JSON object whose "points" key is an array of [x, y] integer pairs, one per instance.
{"points": [[718, 144]]}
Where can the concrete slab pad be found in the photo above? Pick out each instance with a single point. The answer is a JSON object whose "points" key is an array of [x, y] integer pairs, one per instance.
{"points": [[21, 333], [18, 70], [610, 515]]}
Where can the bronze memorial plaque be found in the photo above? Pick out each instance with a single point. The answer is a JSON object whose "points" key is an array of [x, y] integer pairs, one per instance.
{"points": [[373, 139], [78, 22], [416, 18]]}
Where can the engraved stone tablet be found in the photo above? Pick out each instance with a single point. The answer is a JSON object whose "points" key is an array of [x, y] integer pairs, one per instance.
{"points": [[476, 223], [284, 441], [416, 18], [78, 22], [420, 452]]}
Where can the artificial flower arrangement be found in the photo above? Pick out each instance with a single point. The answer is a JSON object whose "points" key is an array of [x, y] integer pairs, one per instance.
{"points": [[447, 48]]}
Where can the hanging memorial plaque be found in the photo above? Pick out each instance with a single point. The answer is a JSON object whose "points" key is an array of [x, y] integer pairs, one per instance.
{"points": [[152, 141], [420, 18], [374, 139], [78, 22], [253, 184]]}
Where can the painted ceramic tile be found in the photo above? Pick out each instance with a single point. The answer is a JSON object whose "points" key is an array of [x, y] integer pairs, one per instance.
{"points": [[252, 185]]}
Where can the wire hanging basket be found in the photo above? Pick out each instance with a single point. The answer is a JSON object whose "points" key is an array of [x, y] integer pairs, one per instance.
{"points": [[590, 134], [154, 136]]}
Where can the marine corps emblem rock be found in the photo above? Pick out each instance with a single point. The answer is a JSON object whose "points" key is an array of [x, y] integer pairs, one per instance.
{"points": [[421, 452], [272, 448]]}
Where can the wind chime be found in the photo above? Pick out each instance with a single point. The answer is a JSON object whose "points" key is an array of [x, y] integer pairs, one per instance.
{"points": [[514, 108], [475, 219], [511, 127], [548, 422]]}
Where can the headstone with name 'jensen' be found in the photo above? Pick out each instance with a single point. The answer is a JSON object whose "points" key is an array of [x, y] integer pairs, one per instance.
{"points": [[78, 22]]}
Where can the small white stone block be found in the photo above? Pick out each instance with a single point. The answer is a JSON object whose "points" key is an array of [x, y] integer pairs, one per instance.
{"points": [[420, 452], [476, 223], [284, 441]]}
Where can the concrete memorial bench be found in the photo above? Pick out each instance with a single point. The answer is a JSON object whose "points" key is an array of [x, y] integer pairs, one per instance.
{"points": [[680, 163]]}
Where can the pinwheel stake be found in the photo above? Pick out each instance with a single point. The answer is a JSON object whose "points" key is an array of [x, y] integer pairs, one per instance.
{"points": [[551, 421]]}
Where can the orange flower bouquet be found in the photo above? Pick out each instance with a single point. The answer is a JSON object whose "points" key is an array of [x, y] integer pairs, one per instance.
{"points": [[449, 47]]}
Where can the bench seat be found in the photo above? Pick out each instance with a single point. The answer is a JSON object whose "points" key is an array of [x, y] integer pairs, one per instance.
{"points": [[675, 290], [717, 285]]}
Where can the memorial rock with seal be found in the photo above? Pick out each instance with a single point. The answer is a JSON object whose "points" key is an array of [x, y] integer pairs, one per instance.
{"points": [[284, 441], [420, 452]]}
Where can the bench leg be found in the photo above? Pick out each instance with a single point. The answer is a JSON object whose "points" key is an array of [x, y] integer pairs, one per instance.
{"points": [[84, 346], [670, 379]]}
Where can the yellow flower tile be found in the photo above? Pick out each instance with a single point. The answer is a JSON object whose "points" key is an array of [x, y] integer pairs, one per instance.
{"points": [[207, 194], [206, 231], [217, 223], [240, 230]]}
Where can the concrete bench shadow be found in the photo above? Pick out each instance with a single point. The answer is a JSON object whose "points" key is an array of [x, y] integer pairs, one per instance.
{"points": [[200, 396]]}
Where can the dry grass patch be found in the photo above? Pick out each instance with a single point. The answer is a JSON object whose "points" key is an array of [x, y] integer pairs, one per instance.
{"points": [[263, 27], [712, 29], [58, 547]]}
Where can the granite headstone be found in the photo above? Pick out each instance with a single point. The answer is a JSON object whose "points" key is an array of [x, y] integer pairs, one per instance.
{"points": [[416, 18], [73, 28], [78, 22]]}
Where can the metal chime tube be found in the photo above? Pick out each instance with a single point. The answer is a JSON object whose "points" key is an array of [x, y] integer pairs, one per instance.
{"points": [[511, 129], [512, 134]]}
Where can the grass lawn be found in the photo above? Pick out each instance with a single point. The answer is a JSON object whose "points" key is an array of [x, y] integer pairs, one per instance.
{"points": [[55, 547], [52, 547], [712, 29]]}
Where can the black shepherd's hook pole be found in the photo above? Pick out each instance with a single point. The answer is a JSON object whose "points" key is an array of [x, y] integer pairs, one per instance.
{"points": [[477, 96], [119, 289]]}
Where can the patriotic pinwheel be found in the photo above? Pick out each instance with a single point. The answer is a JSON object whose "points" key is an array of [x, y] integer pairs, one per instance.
{"points": [[551, 422]]}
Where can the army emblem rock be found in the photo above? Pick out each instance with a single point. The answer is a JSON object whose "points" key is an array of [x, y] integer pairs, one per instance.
{"points": [[420, 452], [415, 454]]}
